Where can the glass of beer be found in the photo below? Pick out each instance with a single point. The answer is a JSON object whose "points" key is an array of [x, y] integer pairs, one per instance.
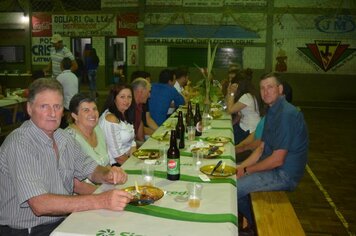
{"points": [[194, 194], [191, 133]]}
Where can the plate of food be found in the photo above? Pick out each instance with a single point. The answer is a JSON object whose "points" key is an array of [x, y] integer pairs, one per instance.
{"points": [[222, 171], [209, 152], [219, 139], [144, 195], [146, 154], [216, 113], [165, 136]]}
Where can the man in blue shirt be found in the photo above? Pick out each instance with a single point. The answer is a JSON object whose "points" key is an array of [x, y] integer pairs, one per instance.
{"points": [[279, 163], [162, 94]]}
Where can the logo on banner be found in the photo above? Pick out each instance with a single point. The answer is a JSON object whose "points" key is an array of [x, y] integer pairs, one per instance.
{"points": [[327, 54], [41, 25]]}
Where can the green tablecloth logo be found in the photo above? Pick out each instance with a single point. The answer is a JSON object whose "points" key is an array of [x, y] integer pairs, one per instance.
{"points": [[110, 232], [106, 232]]}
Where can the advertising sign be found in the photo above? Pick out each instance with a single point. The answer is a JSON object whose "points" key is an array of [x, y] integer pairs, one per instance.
{"points": [[41, 25], [41, 48], [84, 25]]}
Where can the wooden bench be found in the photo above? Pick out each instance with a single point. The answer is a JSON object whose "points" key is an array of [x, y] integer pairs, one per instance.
{"points": [[274, 214]]}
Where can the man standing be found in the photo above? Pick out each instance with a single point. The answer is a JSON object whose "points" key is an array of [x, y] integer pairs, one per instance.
{"points": [[41, 167], [162, 94], [58, 52], [69, 82], [279, 163]]}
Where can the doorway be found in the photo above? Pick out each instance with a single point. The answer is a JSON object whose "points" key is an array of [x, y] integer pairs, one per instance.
{"points": [[78, 47], [115, 59]]}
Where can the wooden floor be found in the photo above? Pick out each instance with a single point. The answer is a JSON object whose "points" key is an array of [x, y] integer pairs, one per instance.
{"points": [[325, 200]]}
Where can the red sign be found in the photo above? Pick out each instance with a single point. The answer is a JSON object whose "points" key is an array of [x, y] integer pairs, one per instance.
{"points": [[41, 25], [127, 25]]}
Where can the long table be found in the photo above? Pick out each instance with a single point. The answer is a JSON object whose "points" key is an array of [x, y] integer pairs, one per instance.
{"points": [[12, 102], [217, 214]]}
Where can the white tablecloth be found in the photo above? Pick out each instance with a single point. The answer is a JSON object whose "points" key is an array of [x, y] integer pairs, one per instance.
{"points": [[217, 214]]}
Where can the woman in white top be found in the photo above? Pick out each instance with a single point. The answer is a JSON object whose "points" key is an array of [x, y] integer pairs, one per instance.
{"points": [[117, 124], [243, 101], [85, 130]]}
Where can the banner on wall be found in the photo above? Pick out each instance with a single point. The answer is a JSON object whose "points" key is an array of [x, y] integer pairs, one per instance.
{"points": [[194, 41], [84, 25], [116, 3], [127, 25], [41, 25], [206, 3], [41, 50]]}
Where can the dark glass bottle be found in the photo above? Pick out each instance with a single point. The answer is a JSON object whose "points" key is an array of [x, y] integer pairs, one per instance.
{"points": [[180, 130], [197, 121], [173, 158], [189, 117]]}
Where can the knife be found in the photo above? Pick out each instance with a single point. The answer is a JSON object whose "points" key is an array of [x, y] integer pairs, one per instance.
{"points": [[216, 167]]}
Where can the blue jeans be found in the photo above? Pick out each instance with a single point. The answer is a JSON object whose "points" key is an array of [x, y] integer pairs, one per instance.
{"points": [[239, 134], [273, 180], [92, 79]]}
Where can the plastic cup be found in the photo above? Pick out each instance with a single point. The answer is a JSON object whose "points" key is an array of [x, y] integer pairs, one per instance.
{"points": [[148, 174], [194, 194], [163, 154], [197, 159], [191, 133]]}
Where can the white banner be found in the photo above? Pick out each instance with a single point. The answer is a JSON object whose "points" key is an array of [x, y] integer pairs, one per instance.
{"points": [[41, 50], [84, 25], [203, 3]]}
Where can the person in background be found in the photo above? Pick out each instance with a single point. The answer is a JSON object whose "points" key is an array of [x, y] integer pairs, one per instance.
{"points": [[181, 76], [69, 82], [117, 124], [243, 101], [85, 128], [40, 169], [80, 72], [58, 52], [119, 75], [149, 125], [141, 74], [91, 61], [278, 164], [141, 90], [162, 94]]}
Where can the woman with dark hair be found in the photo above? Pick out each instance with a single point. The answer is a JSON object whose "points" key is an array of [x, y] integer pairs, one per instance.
{"points": [[244, 100], [117, 123]]}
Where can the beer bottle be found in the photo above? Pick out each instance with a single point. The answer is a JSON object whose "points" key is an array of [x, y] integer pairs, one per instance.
{"points": [[189, 117], [180, 130], [198, 121], [173, 159]]}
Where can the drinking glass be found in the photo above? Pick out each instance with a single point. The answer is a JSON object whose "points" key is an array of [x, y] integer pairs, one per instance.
{"points": [[194, 194]]}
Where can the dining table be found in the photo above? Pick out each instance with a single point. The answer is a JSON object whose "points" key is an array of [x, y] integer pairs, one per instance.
{"points": [[171, 215], [12, 102]]}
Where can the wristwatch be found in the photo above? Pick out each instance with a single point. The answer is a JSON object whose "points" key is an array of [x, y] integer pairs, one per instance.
{"points": [[245, 171]]}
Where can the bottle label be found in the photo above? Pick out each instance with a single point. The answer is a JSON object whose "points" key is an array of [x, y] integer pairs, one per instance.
{"points": [[173, 166]]}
